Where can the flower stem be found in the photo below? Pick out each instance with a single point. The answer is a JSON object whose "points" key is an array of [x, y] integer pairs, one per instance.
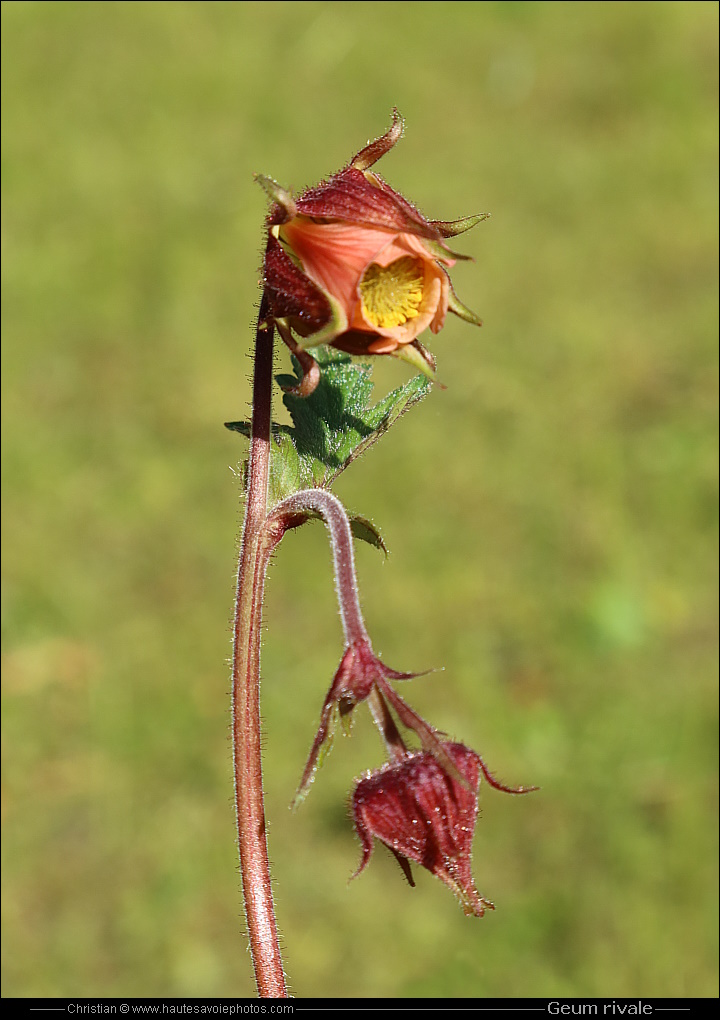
{"points": [[258, 540], [333, 513]]}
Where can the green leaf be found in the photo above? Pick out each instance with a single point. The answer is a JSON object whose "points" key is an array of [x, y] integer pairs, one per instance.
{"points": [[337, 423], [332, 427], [365, 531]]}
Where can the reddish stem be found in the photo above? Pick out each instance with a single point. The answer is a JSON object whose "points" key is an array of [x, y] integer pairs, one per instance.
{"points": [[333, 513], [258, 541]]}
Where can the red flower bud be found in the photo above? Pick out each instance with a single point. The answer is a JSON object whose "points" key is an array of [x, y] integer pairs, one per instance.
{"points": [[424, 815], [352, 263]]}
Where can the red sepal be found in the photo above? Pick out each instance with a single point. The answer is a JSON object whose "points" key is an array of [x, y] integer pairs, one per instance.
{"points": [[350, 197], [293, 295]]}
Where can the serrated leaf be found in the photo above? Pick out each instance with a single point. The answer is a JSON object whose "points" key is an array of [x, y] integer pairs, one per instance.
{"points": [[333, 426], [337, 423]]}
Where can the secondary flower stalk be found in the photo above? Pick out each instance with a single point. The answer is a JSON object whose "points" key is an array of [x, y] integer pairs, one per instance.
{"points": [[361, 675], [320, 501]]}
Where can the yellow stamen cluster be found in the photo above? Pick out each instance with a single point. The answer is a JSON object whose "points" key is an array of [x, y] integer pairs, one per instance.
{"points": [[391, 295]]}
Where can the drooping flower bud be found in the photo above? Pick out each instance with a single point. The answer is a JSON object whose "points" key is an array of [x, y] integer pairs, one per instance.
{"points": [[424, 813], [426, 816], [352, 263]]}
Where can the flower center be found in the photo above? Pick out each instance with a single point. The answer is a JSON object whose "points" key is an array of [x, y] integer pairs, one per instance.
{"points": [[392, 294]]}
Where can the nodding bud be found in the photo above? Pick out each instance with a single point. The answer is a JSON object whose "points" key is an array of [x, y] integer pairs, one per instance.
{"points": [[424, 816]]}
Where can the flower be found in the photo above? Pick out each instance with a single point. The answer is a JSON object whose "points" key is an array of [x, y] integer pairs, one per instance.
{"points": [[424, 815], [352, 263]]}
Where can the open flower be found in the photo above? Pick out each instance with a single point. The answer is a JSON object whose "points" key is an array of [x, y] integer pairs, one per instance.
{"points": [[352, 263]]}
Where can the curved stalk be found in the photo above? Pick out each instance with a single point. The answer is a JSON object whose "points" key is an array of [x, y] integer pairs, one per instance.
{"points": [[336, 520], [333, 513], [257, 543]]}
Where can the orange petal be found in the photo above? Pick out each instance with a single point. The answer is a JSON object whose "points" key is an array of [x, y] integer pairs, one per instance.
{"points": [[335, 255]]}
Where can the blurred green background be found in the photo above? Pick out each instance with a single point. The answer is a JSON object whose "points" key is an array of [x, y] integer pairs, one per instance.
{"points": [[550, 515]]}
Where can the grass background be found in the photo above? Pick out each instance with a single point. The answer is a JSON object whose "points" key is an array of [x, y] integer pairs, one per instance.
{"points": [[551, 515]]}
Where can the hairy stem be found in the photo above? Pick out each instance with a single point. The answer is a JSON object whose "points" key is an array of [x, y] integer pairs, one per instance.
{"points": [[333, 513], [258, 540]]}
